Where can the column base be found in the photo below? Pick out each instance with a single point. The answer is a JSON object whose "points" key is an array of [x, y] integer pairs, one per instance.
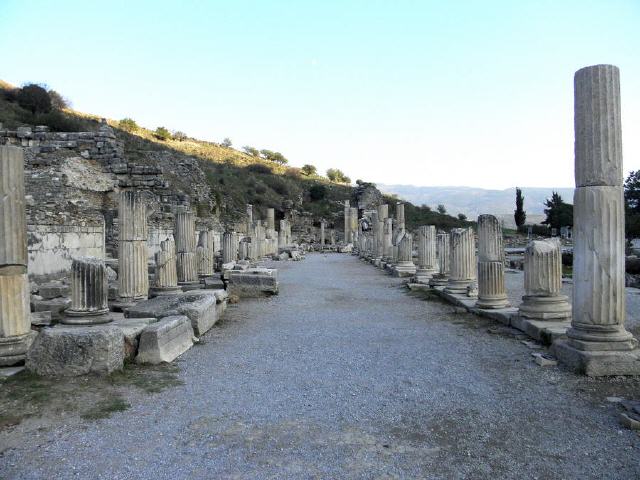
{"points": [[13, 349], [493, 302], [597, 363], [404, 270], [159, 291], [438, 280], [87, 319], [555, 307], [457, 287], [423, 275]]}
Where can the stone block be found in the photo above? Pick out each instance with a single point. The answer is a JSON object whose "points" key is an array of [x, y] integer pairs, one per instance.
{"points": [[131, 329], [165, 340], [52, 290], [254, 282], [72, 350], [41, 319], [596, 363], [56, 306], [213, 283], [198, 305]]}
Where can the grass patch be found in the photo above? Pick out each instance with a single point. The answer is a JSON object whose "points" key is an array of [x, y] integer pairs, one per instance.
{"points": [[427, 296], [106, 408], [149, 379]]}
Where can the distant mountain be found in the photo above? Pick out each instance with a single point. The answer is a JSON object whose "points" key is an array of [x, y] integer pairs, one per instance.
{"points": [[474, 201]]}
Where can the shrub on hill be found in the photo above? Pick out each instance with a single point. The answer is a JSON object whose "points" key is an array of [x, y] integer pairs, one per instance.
{"points": [[128, 125], [162, 133]]}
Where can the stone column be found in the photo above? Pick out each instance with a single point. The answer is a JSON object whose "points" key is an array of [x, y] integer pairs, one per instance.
{"points": [[228, 250], [271, 218], [462, 260], [15, 319], [426, 253], [543, 299], [443, 256], [204, 256], [353, 217], [249, 218], [405, 266], [347, 222], [322, 235], [89, 292], [282, 234], [185, 235], [491, 290], [400, 216], [166, 277], [133, 273], [598, 343], [388, 240], [332, 235]]}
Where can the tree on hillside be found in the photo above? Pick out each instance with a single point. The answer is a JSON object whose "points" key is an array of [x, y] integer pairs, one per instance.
{"points": [[425, 207], [128, 125], [58, 101], [441, 210], [309, 170], [34, 98], [632, 203], [251, 151], [226, 142], [162, 133], [179, 136], [559, 214], [519, 215], [317, 192], [337, 176], [462, 217], [276, 157]]}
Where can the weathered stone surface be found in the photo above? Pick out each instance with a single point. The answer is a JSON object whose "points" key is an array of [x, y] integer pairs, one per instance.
{"points": [[253, 282], [133, 279], [89, 292], [491, 289], [598, 343], [543, 282], [56, 306], [462, 260], [40, 319], [165, 340], [426, 253], [198, 305], [74, 350], [53, 290], [131, 329]]}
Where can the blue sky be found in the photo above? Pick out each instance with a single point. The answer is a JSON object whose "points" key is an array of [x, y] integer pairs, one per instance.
{"points": [[475, 93]]}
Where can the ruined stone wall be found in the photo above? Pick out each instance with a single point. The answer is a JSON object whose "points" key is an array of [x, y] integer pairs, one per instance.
{"points": [[72, 182]]}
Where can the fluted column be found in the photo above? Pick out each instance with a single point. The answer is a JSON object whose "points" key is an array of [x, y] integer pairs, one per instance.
{"points": [[598, 232], [133, 273], [462, 260], [166, 276], [282, 234], [15, 320], [491, 289], [353, 227], [388, 239], [543, 299], [426, 253], [227, 247], [347, 222], [443, 256], [185, 235], [204, 255], [249, 218], [405, 266], [271, 218], [89, 292], [322, 234]]}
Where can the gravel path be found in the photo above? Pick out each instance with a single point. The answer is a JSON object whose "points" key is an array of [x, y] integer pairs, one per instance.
{"points": [[344, 375]]}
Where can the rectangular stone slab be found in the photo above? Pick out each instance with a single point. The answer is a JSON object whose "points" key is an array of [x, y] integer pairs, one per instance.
{"points": [[254, 282], [165, 340], [198, 305]]}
